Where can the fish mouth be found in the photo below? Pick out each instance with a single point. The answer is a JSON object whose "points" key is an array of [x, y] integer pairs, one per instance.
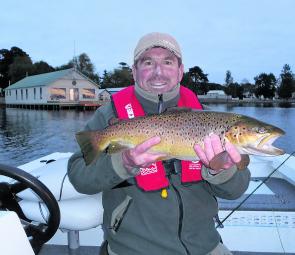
{"points": [[264, 146]]}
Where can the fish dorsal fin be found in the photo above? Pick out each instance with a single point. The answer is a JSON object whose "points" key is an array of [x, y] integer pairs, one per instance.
{"points": [[113, 121]]}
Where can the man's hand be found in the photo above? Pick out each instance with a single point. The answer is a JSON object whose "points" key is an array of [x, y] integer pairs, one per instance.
{"points": [[213, 147], [140, 156]]}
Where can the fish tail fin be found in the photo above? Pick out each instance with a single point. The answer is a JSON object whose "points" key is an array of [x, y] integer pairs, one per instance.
{"points": [[90, 144]]}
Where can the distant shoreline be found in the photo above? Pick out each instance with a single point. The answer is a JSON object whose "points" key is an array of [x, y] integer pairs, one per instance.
{"points": [[244, 102], [247, 101]]}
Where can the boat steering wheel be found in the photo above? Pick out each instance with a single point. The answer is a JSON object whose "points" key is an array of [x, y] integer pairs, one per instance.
{"points": [[38, 234]]}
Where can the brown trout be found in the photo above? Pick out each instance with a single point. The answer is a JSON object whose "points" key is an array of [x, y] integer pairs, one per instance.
{"points": [[179, 131]]}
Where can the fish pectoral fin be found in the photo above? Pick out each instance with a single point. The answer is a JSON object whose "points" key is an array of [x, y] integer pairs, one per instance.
{"points": [[219, 160], [115, 147]]}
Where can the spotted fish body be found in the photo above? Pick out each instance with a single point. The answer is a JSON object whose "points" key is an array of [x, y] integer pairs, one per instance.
{"points": [[179, 131]]}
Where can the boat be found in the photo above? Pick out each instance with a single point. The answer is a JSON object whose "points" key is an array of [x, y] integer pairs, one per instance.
{"points": [[262, 221]]}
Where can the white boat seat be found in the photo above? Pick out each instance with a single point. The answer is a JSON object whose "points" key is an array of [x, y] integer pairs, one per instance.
{"points": [[76, 214], [54, 176], [78, 211]]}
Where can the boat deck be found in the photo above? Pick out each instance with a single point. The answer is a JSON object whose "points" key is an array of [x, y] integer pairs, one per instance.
{"points": [[264, 224], [265, 221], [267, 215], [275, 195]]}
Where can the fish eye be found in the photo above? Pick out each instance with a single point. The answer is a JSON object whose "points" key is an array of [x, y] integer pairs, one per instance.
{"points": [[261, 130]]}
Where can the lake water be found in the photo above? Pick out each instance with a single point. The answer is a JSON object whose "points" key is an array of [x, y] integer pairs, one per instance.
{"points": [[29, 134]]}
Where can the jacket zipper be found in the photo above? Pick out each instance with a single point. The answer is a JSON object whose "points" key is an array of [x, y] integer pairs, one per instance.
{"points": [[180, 206], [160, 104]]}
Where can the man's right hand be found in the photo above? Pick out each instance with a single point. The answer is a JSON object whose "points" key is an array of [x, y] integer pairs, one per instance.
{"points": [[141, 156]]}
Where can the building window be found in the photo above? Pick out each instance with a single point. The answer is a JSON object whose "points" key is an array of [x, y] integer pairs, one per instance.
{"points": [[21, 94], [34, 93], [40, 93], [26, 94], [57, 94], [88, 93], [16, 94], [9, 92]]}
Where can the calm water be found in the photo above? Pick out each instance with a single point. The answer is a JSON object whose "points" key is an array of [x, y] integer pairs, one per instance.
{"points": [[29, 134]]}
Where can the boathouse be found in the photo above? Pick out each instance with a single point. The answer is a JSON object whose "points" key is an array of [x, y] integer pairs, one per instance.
{"points": [[59, 89]]}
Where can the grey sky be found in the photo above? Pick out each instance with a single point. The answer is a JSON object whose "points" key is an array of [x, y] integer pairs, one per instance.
{"points": [[246, 37]]}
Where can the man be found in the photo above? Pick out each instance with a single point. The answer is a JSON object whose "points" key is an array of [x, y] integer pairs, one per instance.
{"points": [[141, 215]]}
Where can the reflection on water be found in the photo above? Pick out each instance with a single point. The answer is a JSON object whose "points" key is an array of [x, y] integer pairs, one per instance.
{"points": [[29, 134]]}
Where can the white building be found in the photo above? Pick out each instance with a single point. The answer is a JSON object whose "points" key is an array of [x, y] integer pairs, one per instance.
{"points": [[216, 94], [61, 87], [105, 94]]}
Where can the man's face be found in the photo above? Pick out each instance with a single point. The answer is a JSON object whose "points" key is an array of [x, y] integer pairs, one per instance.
{"points": [[157, 70]]}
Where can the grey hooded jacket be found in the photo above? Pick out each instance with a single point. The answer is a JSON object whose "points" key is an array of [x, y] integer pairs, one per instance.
{"points": [[143, 223]]}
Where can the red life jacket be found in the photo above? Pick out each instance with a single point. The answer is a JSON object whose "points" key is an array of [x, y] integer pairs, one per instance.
{"points": [[154, 177]]}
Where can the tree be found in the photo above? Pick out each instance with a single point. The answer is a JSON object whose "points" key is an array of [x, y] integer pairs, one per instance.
{"points": [[7, 58], [123, 65], [196, 80], [265, 85], [215, 86], [65, 66], [228, 78], [187, 81], [85, 66], [106, 80], [42, 67], [21, 67], [248, 88], [235, 90], [119, 77], [287, 82], [232, 88]]}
